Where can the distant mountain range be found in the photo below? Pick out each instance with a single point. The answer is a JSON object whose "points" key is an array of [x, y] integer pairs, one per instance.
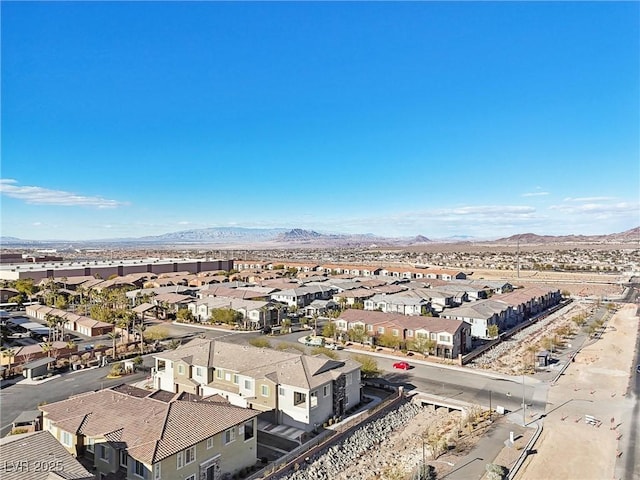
{"points": [[628, 236], [238, 237]]}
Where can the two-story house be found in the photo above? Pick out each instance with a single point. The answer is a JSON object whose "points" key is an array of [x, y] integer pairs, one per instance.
{"points": [[451, 337], [134, 434], [289, 388]]}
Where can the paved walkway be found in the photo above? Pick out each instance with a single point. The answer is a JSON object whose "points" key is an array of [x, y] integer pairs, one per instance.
{"points": [[474, 465]]}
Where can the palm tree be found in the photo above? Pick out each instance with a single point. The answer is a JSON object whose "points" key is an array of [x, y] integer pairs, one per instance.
{"points": [[140, 329], [11, 354], [52, 322], [114, 336]]}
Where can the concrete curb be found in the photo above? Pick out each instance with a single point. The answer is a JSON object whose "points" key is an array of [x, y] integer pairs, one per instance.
{"points": [[499, 376], [525, 452]]}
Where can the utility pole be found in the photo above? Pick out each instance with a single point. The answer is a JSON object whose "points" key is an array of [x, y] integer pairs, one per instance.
{"points": [[518, 257]]}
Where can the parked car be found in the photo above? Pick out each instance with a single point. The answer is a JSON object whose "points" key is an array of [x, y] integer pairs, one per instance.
{"points": [[335, 346], [402, 365]]}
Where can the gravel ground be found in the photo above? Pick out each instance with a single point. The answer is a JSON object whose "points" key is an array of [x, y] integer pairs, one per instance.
{"points": [[509, 356], [392, 443]]}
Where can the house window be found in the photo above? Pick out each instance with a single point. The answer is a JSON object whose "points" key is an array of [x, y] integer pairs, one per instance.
{"points": [[180, 369], [190, 455], [380, 329], [209, 443], [123, 458], [444, 338], [198, 371], [264, 390], [325, 391], [395, 332], [348, 379], [299, 398], [104, 453], [229, 436], [66, 439], [369, 328], [157, 471], [138, 468], [313, 398], [89, 444], [236, 379], [248, 385], [180, 458], [248, 430], [219, 374], [281, 391], [410, 333]]}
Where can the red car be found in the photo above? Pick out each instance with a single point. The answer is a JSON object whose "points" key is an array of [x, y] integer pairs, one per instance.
{"points": [[402, 365]]}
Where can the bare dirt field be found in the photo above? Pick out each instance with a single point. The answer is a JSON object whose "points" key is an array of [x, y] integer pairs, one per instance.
{"points": [[516, 354], [595, 385]]}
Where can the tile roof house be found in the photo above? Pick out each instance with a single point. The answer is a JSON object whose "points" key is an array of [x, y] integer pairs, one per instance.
{"points": [[38, 456], [452, 337], [290, 388], [482, 314], [129, 433], [72, 323], [256, 314]]}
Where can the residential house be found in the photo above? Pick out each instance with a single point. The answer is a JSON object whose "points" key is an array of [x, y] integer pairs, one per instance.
{"points": [[257, 314], [482, 314], [133, 434], [452, 338], [6, 293], [38, 456], [300, 297], [293, 389], [72, 323], [531, 301], [406, 303]]}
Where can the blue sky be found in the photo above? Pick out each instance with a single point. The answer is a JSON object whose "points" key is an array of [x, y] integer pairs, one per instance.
{"points": [[474, 118]]}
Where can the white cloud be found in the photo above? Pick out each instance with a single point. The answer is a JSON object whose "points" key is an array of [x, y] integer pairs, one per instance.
{"points": [[589, 199], [44, 196], [602, 209], [535, 194]]}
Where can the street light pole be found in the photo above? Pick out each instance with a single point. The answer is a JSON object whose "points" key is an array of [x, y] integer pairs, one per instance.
{"points": [[524, 405], [490, 409], [424, 462]]}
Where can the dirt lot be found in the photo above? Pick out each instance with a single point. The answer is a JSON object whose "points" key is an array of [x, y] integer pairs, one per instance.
{"points": [[595, 385]]}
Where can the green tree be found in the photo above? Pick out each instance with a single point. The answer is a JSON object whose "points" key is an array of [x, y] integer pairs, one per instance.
{"points": [[286, 325], [368, 365], [330, 330], [388, 340], [225, 315], [9, 353], [184, 315], [357, 334], [422, 344], [493, 330]]}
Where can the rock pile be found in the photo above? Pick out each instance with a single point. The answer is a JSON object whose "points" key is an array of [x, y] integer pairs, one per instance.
{"points": [[329, 464]]}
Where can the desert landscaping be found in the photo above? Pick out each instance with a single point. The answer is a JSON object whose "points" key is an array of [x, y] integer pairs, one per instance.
{"points": [[595, 385]]}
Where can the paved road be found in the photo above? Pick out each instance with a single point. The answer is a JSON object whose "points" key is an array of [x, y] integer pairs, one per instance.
{"points": [[19, 397]]}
